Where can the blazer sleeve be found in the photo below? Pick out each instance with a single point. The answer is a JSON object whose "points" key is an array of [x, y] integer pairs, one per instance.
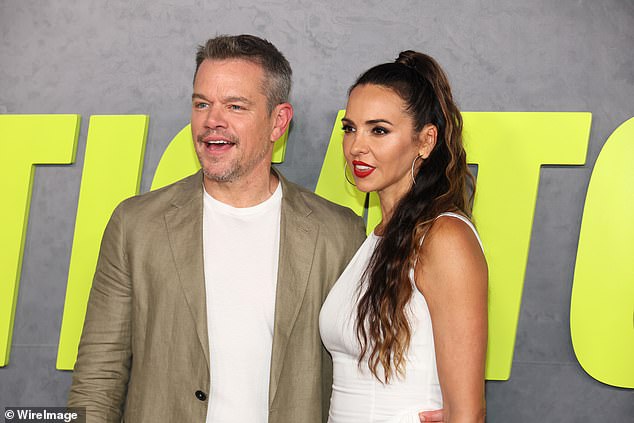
{"points": [[102, 368]]}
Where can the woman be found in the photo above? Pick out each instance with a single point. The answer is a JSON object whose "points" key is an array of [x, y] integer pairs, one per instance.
{"points": [[406, 322]]}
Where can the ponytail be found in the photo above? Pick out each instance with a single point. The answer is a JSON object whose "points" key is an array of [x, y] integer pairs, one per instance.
{"points": [[442, 183]]}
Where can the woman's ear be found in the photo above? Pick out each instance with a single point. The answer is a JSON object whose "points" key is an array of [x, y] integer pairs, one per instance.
{"points": [[427, 140]]}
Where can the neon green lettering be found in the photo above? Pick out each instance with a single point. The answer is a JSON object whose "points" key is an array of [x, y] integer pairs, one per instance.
{"points": [[178, 160], [509, 149], [112, 172], [22, 146], [602, 302]]}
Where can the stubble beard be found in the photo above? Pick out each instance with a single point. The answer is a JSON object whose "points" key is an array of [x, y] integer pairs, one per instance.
{"points": [[235, 169]]}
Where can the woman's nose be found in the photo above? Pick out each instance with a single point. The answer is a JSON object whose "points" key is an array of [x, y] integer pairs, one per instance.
{"points": [[358, 144]]}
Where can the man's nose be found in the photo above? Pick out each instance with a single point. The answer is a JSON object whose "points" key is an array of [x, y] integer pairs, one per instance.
{"points": [[215, 117]]}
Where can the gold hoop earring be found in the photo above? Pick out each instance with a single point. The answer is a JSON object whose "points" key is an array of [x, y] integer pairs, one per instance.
{"points": [[413, 163], [345, 173]]}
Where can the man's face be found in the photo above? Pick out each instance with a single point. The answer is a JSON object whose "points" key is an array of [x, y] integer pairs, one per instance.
{"points": [[231, 126]]}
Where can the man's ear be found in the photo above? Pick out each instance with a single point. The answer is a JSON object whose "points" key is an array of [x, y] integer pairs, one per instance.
{"points": [[282, 115], [427, 140]]}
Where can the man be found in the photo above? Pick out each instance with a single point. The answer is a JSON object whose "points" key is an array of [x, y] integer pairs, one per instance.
{"points": [[206, 296]]}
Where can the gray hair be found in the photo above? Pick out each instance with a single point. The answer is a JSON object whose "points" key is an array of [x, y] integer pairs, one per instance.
{"points": [[277, 70]]}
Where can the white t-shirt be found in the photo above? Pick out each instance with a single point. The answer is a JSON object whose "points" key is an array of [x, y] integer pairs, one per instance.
{"points": [[241, 250]]}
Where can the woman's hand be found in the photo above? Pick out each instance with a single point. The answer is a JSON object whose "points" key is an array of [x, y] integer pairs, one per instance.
{"points": [[432, 416]]}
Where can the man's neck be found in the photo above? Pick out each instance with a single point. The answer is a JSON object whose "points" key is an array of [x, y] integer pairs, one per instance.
{"points": [[247, 191]]}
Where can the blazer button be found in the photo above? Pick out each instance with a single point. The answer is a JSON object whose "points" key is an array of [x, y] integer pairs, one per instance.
{"points": [[201, 395]]}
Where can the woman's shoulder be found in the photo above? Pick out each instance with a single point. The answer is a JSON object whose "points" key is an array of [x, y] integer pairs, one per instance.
{"points": [[451, 250], [450, 231]]}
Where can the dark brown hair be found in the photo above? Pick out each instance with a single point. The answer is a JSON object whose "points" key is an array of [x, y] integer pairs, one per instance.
{"points": [[443, 183], [277, 70]]}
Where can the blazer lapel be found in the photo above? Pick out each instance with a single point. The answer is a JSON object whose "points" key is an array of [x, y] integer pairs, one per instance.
{"points": [[185, 228], [298, 238]]}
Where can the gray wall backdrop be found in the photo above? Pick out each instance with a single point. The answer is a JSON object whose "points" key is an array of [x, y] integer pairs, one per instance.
{"points": [[136, 57]]}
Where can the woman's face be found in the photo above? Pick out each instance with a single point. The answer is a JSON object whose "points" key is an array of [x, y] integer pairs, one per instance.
{"points": [[380, 142]]}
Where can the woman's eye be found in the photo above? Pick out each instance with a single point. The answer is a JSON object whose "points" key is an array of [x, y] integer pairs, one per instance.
{"points": [[347, 129], [379, 130]]}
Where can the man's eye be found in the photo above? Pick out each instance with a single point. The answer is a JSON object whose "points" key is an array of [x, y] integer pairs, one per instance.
{"points": [[200, 105], [235, 107], [379, 130], [347, 129]]}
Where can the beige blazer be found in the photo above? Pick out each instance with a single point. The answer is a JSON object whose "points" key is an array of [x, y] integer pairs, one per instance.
{"points": [[144, 350]]}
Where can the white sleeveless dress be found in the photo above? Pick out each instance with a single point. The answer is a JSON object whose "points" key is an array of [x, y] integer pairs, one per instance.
{"points": [[357, 396]]}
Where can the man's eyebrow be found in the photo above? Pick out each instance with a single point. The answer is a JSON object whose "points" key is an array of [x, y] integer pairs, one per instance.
{"points": [[236, 98], [229, 99], [200, 96]]}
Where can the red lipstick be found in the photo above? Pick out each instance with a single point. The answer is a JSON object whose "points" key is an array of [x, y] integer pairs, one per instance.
{"points": [[361, 169]]}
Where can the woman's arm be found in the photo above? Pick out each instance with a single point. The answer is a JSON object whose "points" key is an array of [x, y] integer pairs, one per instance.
{"points": [[451, 272]]}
